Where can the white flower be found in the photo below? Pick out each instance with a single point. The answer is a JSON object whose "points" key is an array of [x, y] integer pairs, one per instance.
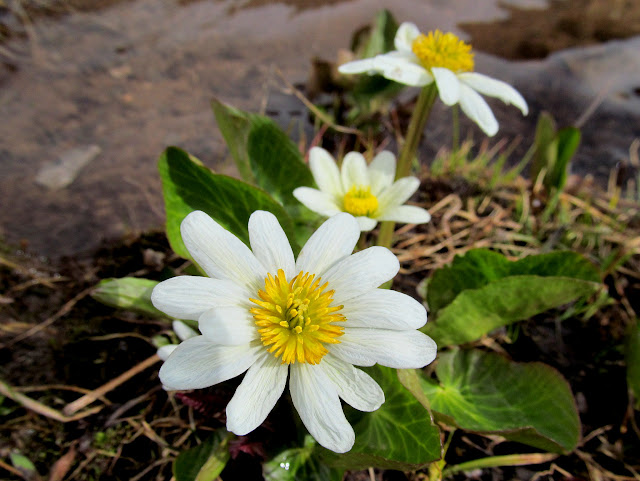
{"points": [[183, 332], [420, 59], [367, 192], [311, 319]]}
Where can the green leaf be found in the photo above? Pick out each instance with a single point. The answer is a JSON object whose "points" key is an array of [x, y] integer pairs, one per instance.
{"points": [[276, 162], [486, 393], [300, 464], [187, 186], [400, 435], [545, 133], [477, 312], [479, 267], [566, 143], [130, 293], [381, 36], [266, 157], [483, 290], [235, 125], [24, 465], [632, 358], [206, 461], [263, 153]]}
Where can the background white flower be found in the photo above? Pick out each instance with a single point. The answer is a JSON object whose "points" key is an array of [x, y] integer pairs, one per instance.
{"points": [[271, 315], [441, 57], [367, 192], [183, 332]]}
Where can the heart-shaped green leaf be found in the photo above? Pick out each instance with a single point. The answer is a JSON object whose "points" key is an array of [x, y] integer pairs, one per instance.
{"points": [[482, 291], [400, 435], [479, 267], [486, 393], [263, 153], [188, 185]]}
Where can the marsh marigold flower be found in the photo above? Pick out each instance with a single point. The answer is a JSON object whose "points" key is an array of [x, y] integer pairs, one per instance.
{"points": [[311, 320], [421, 59], [366, 192]]}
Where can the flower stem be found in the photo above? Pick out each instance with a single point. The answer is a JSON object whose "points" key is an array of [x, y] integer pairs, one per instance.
{"points": [[416, 126], [407, 154]]}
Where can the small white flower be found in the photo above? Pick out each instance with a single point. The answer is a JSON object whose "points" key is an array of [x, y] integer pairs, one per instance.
{"points": [[421, 59], [183, 332], [311, 319], [366, 192]]}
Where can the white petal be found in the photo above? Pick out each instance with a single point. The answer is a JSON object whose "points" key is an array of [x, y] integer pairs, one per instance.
{"points": [[357, 388], [495, 88], [382, 171], [408, 214], [228, 326], [325, 171], [257, 394], [269, 243], [187, 297], [316, 399], [183, 331], [398, 193], [197, 363], [366, 223], [165, 351], [448, 85], [405, 35], [317, 201], [477, 110], [333, 241], [219, 252], [384, 309], [402, 69], [397, 349], [354, 171], [361, 272], [357, 66]]}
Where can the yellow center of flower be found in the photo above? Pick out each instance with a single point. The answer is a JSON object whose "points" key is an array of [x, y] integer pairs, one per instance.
{"points": [[295, 319], [437, 49], [360, 201]]}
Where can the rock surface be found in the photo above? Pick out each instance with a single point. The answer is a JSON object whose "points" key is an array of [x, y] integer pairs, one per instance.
{"points": [[138, 76]]}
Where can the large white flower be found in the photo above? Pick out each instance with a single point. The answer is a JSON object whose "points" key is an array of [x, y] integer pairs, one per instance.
{"points": [[420, 59], [311, 319], [367, 192]]}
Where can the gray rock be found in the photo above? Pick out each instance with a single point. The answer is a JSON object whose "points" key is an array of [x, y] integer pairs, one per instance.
{"points": [[60, 173]]}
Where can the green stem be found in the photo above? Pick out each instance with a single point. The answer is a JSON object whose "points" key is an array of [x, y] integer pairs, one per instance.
{"points": [[494, 461], [416, 126], [436, 469]]}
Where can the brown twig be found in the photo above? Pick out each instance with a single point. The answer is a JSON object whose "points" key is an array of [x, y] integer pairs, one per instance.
{"points": [[39, 408], [87, 399], [46, 323]]}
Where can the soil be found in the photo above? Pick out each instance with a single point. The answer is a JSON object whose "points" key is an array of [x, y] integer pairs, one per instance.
{"points": [[536, 33]]}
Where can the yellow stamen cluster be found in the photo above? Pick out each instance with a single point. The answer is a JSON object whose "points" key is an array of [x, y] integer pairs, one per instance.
{"points": [[359, 201], [296, 318], [437, 49]]}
